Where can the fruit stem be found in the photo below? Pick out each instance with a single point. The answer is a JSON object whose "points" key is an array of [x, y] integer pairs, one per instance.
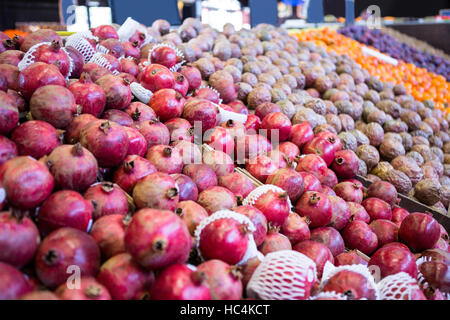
{"points": [[159, 245], [167, 152], [235, 272], [314, 199], [93, 291], [77, 150], [198, 277], [50, 257], [107, 186], [172, 193], [128, 166], [55, 46], [105, 126]]}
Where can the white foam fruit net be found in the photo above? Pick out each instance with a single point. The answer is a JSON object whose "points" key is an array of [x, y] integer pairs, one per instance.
{"points": [[226, 115], [329, 295], [140, 92], [253, 196], [101, 61], [129, 28], [212, 89], [102, 49], [283, 275], [79, 42], [397, 287], [330, 270], [251, 252], [176, 67]]}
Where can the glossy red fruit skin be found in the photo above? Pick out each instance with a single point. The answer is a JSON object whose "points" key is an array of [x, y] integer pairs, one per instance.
{"points": [[192, 214], [36, 138], [65, 208], [275, 206], [157, 239], [266, 108], [392, 260], [224, 239], [310, 182], [349, 258], [377, 209], [164, 56], [253, 124], [9, 114], [157, 190], [330, 179], [289, 149], [318, 252], [329, 237], [137, 142], [352, 283], [118, 116], [8, 149], [73, 130], [223, 280], [295, 228], [124, 278], [117, 91], [203, 176], [20, 176], [345, 164], [107, 199], [12, 57], [219, 139], [358, 235], [237, 183], [181, 84], [250, 146], [386, 231], [53, 104], [316, 207], [108, 142], [331, 138], [261, 167], [217, 198], [419, 231], [62, 248], [167, 103], [301, 134], [321, 147], [349, 192], [187, 188], [314, 164], [140, 112], [11, 74], [398, 215], [165, 159], [52, 54], [90, 289], [341, 213], [78, 61], [278, 126], [274, 241], [154, 132], [129, 67], [105, 32], [40, 295], [131, 49], [383, 190], [358, 212], [156, 77], [258, 219], [289, 180], [37, 75], [204, 111], [193, 76], [179, 282], [109, 233], [19, 239], [13, 283]]}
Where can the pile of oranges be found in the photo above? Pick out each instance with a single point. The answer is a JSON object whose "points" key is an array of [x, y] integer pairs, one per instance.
{"points": [[420, 83]]}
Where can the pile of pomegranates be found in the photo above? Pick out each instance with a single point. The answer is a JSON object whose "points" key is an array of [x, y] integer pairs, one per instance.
{"points": [[142, 197]]}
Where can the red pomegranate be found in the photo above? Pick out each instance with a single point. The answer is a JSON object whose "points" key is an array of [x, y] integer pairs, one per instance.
{"points": [[90, 289], [165, 159], [316, 207], [330, 180], [261, 167], [156, 77], [301, 134], [358, 235], [207, 93], [217, 198], [385, 191], [318, 252], [88, 95], [345, 164], [329, 237], [349, 191], [266, 108], [321, 147], [310, 182], [341, 213], [8, 150], [181, 84], [157, 190], [331, 138], [237, 183], [258, 219], [358, 212], [377, 209], [193, 76], [9, 114], [107, 199], [398, 215], [349, 258], [386, 231], [155, 132], [203, 176], [53, 54], [295, 228], [109, 233], [352, 284], [289, 180], [105, 32], [219, 139], [290, 150], [167, 103], [314, 164], [392, 260], [73, 130], [274, 241], [13, 283], [117, 91], [278, 126], [274, 205], [191, 213], [165, 56], [37, 75], [252, 124], [419, 231], [137, 142], [157, 239], [140, 112], [204, 112], [187, 188]]}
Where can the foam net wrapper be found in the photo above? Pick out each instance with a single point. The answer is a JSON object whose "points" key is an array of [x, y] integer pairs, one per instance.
{"points": [[255, 194], [251, 252], [283, 275], [102, 49], [140, 92], [226, 115], [423, 283], [332, 295], [330, 270], [129, 28], [99, 60], [397, 287], [176, 67], [211, 88], [79, 42]]}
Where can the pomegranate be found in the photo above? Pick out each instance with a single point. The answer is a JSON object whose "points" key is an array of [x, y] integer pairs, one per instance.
{"points": [[63, 248], [40, 295], [90, 96], [192, 75], [358, 235], [220, 162], [179, 282], [65, 208], [434, 276], [248, 269], [220, 139], [321, 147], [316, 207], [290, 150], [350, 283], [330, 180], [349, 191], [12, 74], [53, 54], [105, 32], [295, 228], [252, 124], [109, 233], [191, 213], [266, 108], [203, 176], [419, 231], [181, 84], [131, 49], [125, 279], [377, 209], [129, 68], [341, 213], [19, 238], [140, 112], [398, 215], [317, 252], [13, 283], [314, 164], [114, 47], [345, 164], [207, 93], [274, 241], [358, 212], [216, 198], [73, 130], [157, 238], [12, 57], [96, 72], [278, 126], [117, 91], [157, 190], [38, 75], [310, 182], [329, 237], [274, 205], [203, 111], [167, 104], [156, 77], [386, 231], [107, 141], [36, 138], [90, 289], [77, 60], [164, 55], [250, 146], [187, 188], [289, 180], [392, 260], [137, 143], [26, 182], [8, 149], [165, 159], [301, 134], [237, 183], [349, 258], [258, 219], [155, 132], [261, 167], [107, 199], [384, 191], [331, 138]]}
